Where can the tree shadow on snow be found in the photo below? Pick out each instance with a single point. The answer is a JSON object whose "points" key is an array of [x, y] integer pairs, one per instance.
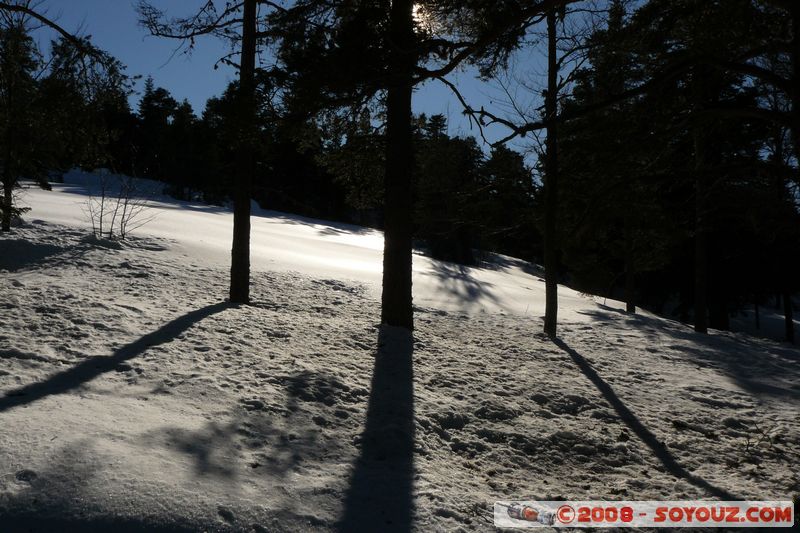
{"points": [[211, 447], [58, 498], [262, 436], [17, 254], [459, 281], [626, 415], [61, 246], [733, 354], [93, 367], [380, 494]]}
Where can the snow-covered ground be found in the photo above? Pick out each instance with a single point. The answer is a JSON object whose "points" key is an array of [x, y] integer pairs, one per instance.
{"points": [[132, 398]]}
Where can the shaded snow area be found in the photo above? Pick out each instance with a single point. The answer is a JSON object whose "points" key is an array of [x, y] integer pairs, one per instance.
{"points": [[133, 399]]}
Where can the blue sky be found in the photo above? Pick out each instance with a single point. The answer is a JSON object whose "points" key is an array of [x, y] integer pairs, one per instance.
{"points": [[113, 26]]}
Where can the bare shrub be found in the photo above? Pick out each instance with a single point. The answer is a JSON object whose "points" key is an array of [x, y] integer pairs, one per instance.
{"points": [[116, 206]]}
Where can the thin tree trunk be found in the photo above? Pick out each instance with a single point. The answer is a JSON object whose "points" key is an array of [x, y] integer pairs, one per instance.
{"points": [[630, 291], [7, 203], [788, 313], [240, 251], [700, 237], [758, 314], [9, 179], [795, 53], [794, 11], [551, 183], [630, 270], [718, 313], [396, 302], [700, 262]]}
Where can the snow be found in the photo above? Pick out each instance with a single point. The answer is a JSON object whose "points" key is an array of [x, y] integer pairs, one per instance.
{"points": [[133, 398], [290, 243]]}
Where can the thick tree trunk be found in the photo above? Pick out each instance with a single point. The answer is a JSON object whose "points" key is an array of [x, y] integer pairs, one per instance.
{"points": [[551, 183], [788, 315], [396, 303], [240, 251]]}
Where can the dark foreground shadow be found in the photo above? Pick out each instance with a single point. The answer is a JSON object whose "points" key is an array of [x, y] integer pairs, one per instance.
{"points": [[91, 368], [34, 523], [17, 254], [43, 506], [635, 425], [380, 493]]}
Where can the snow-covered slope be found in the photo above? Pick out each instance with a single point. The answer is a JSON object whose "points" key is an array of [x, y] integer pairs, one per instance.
{"points": [[296, 244], [132, 398]]}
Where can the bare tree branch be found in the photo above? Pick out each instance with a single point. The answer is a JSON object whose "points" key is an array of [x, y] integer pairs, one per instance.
{"points": [[25, 9]]}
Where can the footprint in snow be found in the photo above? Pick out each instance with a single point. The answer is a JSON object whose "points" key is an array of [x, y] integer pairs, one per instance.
{"points": [[226, 514], [26, 476]]}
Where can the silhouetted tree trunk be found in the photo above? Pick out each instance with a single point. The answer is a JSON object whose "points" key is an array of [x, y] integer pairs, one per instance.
{"points": [[551, 182], [718, 312], [794, 10], [758, 314], [240, 251], [700, 256], [8, 187], [396, 303], [788, 313], [9, 179], [701, 193], [630, 270]]}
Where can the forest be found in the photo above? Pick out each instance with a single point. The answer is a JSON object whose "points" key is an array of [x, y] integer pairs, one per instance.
{"points": [[635, 170], [673, 112]]}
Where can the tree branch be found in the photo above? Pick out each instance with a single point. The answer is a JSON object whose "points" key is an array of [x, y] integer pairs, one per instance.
{"points": [[76, 41]]}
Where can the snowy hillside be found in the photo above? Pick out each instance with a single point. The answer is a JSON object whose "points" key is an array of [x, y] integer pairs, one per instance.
{"points": [[291, 243], [133, 398]]}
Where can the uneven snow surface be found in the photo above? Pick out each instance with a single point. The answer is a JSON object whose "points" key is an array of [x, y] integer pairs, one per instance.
{"points": [[132, 398]]}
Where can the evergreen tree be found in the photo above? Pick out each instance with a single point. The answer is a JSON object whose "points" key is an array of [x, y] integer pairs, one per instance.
{"points": [[446, 184], [182, 162], [355, 157], [85, 108], [343, 54], [157, 109], [20, 149], [505, 203]]}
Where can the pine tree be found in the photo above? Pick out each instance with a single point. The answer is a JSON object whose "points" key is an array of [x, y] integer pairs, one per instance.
{"points": [[245, 158], [86, 109], [446, 185], [342, 54], [157, 108], [20, 115], [208, 20]]}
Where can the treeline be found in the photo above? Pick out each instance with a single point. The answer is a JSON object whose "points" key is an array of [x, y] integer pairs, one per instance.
{"points": [[465, 199], [57, 119]]}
